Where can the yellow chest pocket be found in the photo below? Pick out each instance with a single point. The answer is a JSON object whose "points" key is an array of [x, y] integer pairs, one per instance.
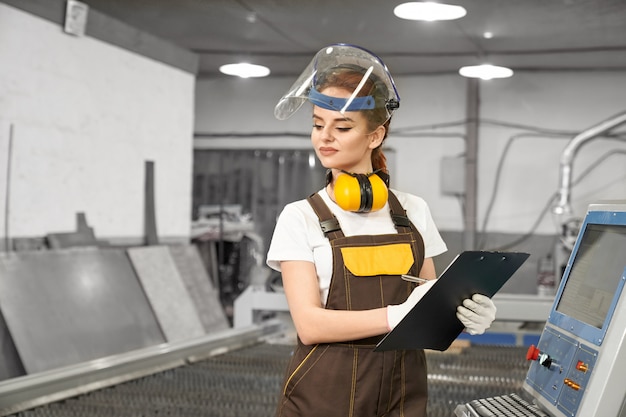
{"points": [[393, 259]]}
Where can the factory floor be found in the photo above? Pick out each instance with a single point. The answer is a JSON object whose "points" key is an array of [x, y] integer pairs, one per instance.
{"points": [[246, 383]]}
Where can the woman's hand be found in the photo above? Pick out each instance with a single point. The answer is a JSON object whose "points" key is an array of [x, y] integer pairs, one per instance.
{"points": [[476, 313], [395, 313]]}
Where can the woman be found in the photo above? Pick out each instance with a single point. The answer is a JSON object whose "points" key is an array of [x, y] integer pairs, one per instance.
{"points": [[343, 250]]}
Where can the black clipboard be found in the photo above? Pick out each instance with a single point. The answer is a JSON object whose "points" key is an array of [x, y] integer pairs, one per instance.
{"points": [[432, 323]]}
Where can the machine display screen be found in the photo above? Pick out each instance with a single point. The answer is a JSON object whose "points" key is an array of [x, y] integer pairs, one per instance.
{"points": [[595, 274]]}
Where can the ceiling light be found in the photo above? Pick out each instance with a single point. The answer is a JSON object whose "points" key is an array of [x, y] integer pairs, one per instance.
{"points": [[429, 11], [485, 71], [245, 70]]}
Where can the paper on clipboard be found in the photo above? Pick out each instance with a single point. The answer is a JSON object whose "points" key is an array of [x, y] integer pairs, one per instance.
{"points": [[432, 323]]}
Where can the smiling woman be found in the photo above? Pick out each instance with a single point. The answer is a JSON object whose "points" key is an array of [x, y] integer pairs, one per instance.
{"points": [[342, 251]]}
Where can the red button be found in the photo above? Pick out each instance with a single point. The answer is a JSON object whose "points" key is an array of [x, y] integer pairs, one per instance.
{"points": [[532, 354]]}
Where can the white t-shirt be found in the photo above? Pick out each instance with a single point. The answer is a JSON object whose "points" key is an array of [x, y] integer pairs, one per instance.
{"points": [[298, 236]]}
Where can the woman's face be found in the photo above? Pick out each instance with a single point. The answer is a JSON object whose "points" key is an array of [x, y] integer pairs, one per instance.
{"points": [[343, 141]]}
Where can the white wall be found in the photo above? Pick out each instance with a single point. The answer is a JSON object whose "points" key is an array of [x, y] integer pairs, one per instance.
{"points": [[86, 116], [234, 105], [554, 101], [527, 102]]}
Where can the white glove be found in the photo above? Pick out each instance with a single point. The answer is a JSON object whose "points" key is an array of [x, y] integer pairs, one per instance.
{"points": [[396, 312], [476, 313]]}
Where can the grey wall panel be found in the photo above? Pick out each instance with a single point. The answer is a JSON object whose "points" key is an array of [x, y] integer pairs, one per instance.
{"points": [[67, 306], [200, 287], [168, 296]]}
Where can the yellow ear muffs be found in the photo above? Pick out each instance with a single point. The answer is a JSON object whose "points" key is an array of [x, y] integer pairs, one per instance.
{"points": [[360, 192]]}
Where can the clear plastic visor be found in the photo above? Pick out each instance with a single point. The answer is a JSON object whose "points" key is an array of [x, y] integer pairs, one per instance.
{"points": [[328, 62]]}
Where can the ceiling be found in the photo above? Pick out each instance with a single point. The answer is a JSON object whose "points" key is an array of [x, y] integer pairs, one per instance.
{"points": [[528, 35]]}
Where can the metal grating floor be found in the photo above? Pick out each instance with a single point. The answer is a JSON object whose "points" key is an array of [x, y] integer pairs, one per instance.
{"points": [[245, 383]]}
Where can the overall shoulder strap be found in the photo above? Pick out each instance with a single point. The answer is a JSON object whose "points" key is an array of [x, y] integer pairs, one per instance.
{"points": [[405, 225], [328, 222], [398, 213]]}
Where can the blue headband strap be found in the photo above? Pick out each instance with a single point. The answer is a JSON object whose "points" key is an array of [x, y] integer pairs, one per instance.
{"points": [[341, 104]]}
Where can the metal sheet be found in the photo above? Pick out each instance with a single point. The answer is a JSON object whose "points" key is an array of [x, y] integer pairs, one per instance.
{"points": [[10, 363], [64, 307], [202, 291], [168, 296]]}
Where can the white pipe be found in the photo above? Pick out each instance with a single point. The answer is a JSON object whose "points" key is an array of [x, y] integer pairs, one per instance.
{"points": [[567, 158]]}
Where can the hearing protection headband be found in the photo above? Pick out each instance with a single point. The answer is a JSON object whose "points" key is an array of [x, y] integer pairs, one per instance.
{"points": [[361, 193]]}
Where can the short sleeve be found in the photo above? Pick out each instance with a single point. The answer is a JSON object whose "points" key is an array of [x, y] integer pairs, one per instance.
{"points": [[291, 240]]}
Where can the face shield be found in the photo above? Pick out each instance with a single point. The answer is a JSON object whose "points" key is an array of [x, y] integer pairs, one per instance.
{"points": [[364, 77]]}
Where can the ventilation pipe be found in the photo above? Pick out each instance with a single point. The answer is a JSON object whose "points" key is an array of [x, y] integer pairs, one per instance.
{"points": [[563, 205]]}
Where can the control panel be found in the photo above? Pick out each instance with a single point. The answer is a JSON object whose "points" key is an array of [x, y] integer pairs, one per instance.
{"points": [[577, 367], [560, 369]]}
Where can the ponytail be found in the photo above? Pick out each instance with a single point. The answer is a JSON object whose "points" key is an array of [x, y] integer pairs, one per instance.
{"points": [[379, 161]]}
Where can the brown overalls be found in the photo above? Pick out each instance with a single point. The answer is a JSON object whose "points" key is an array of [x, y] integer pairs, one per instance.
{"points": [[350, 379]]}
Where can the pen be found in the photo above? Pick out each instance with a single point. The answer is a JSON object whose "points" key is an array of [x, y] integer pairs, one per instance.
{"points": [[411, 278]]}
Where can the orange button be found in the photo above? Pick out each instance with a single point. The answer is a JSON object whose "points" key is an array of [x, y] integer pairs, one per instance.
{"points": [[573, 385]]}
